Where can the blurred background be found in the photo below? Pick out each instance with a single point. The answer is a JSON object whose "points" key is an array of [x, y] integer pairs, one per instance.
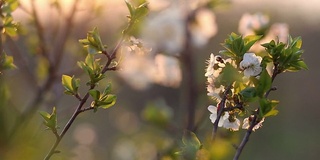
{"points": [[154, 94]]}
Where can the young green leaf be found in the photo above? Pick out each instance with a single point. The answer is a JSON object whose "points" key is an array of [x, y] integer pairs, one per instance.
{"points": [[70, 84], [107, 101], [67, 83], [248, 95], [249, 41], [267, 107], [95, 94], [228, 75], [50, 120], [191, 139], [107, 90], [264, 83], [6, 62]]}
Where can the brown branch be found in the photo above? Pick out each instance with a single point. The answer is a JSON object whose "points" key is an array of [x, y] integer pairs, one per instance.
{"points": [[40, 32], [220, 110], [79, 109], [245, 138], [255, 119]]}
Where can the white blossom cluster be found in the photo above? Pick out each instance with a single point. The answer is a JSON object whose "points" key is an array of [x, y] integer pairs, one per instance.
{"points": [[250, 66]]}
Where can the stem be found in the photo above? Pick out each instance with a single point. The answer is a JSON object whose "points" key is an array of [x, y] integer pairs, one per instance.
{"points": [[255, 117], [188, 70], [219, 112], [245, 138], [67, 126], [82, 102]]}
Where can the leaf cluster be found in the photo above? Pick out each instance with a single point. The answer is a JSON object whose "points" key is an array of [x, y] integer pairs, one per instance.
{"points": [[9, 26], [136, 14], [92, 68], [70, 84], [236, 46], [93, 42], [50, 120], [287, 57], [102, 100]]}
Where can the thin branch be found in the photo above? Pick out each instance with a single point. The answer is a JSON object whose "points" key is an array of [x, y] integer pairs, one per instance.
{"points": [[188, 70], [81, 103], [40, 33], [220, 111], [59, 46], [255, 121], [245, 138]]}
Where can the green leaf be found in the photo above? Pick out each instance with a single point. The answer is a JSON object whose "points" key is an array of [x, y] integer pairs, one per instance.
{"points": [[9, 6], [6, 62], [264, 83], [248, 95], [69, 83], [130, 8], [249, 41], [93, 42], [107, 90], [107, 102], [191, 139], [191, 146], [227, 53], [50, 120], [228, 75], [141, 11], [267, 107], [45, 115], [95, 94]]}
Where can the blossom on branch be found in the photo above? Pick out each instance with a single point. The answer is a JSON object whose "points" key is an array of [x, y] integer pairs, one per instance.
{"points": [[232, 123], [251, 64], [226, 121], [247, 121], [213, 115]]}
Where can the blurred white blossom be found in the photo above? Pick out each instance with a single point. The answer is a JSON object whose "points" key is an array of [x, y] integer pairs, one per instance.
{"points": [[203, 28], [278, 31], [258, 24], [137, 69], [249, 24], [251, 64], [167, 71], [164, 31]]}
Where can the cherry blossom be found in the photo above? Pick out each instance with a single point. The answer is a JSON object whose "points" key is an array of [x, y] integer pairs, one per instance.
{"points": [[251, 64]]}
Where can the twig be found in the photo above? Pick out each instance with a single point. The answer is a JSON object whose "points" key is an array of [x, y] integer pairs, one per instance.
{"points": [[255, 121], [81, 103], [188, 72], [220, 110], [245, 138]]}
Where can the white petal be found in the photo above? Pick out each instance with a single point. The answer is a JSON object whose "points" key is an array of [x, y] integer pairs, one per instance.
{"points": [[212, 109]]}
